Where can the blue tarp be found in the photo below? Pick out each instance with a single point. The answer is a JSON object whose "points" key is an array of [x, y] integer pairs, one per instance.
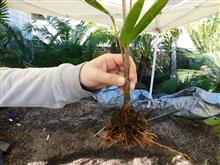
{"points": [[191, 102]]}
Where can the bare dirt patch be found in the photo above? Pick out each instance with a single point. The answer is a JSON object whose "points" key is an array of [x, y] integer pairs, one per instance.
{"points": [[65, 136]]}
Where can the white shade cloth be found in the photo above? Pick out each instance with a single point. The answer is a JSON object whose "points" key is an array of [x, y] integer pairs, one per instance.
{"points": [[176, 13]]}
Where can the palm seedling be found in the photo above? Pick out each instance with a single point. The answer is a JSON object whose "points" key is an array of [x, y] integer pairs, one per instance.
{"points": [[127, 126]]}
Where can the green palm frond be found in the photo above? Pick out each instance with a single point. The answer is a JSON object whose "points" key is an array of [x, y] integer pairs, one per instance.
{"points": [[99, 37], [3, 12], [16, 41], [29, 28], [62, 27], [80, 30], [43, 31], [143, 44], [205, 34]]}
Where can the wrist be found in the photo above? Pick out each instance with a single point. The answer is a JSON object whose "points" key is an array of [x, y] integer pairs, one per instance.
{"points": [[82, 75], [82, 78]]}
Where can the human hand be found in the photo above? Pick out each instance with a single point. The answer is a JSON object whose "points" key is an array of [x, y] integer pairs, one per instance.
{"points": [[107, 70]]}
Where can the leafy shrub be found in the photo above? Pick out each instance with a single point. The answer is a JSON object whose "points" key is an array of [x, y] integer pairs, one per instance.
{"points": [[214, 122], [188, 78]]}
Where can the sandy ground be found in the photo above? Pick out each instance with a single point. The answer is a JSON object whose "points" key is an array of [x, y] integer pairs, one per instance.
{"points": [[65, 136]]}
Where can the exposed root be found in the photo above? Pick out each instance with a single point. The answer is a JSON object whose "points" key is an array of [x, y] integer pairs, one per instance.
{"points": [[173, 150], [128, 128]]}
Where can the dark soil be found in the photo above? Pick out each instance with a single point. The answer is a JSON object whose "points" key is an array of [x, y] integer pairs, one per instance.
{"points": [[65, 136]]}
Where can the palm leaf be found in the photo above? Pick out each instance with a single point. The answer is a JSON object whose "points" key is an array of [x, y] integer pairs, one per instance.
{"points": [[98, 6], [212, 121], [205, 35], [3, 12], [131, 21], [96, 38], [80, 30], [147, 18]]}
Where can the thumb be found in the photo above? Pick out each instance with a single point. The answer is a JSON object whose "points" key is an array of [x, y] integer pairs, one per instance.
{"points": [[110, 78]]}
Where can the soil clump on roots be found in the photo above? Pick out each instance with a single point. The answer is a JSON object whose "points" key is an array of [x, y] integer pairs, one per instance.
{"points": [[128, 127]]}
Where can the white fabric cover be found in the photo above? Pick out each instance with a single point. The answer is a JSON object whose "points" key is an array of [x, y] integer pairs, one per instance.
{"points": [[176, 13]]}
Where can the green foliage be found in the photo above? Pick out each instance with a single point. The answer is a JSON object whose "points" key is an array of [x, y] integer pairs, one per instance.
{"points": [[9, 54], [218, 154], [98, 38], [188, 78], [130, 21], [206, 162], [68, 45], [196, 68], [143, 46], [175, 32], [206, 34], [167, 39], [168, 86], [3, 12], [10, 60], [206, 38], [217, 130], [131, 28], [146, 19], [214, 122], [197, 61], [98, 6], [142, 50], [80, 31], [15, 49], [203, 79]]}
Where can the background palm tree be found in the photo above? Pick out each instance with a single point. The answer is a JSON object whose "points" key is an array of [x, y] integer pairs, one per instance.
{"points": [[169, 44], [205, 34], [99, 41], [73, 44], [13, 46], [142, 51]]}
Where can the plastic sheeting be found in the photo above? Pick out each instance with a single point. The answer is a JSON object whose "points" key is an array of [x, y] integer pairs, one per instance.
{"points": [[112, 96], [191, 102]]}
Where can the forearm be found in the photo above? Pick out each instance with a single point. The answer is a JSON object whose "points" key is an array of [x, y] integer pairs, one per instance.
{"points": [[40, 87]]}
